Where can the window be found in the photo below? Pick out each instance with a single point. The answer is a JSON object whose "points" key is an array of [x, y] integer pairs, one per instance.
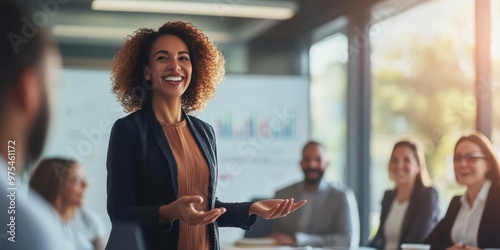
{"points": [[495, 69], [423, 77], [328, 59]]}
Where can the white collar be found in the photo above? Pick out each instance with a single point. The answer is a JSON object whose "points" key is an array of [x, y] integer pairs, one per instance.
{"points": [[481, 196]]}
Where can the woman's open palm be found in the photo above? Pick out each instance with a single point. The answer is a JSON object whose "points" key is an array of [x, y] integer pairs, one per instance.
{"points": [[275, 208], [185, 210]]}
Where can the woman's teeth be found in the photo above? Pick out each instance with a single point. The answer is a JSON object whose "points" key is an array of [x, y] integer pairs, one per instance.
{"points": [[172, 78]]}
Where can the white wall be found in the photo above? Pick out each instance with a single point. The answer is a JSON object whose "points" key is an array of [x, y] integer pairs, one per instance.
{"points": [[249, 166]]}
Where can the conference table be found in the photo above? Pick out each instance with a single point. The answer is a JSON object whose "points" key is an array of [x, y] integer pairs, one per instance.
{"points": [[226, 247], [268, 244]]}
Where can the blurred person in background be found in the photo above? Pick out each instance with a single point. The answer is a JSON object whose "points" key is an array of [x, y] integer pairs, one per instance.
{"points": [[330, 217], [29, 63], [63, 184], [162, 162], [473, 219], [411, 210]]}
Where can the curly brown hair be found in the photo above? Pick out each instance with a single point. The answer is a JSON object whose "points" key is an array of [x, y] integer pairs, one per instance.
{"points": [[132, 89]]}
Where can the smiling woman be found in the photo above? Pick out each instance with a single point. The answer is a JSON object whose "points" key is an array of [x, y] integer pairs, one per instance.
{"points": [[170, 66], [411, 210], [472, 220], [162, 162], [133, 89]]}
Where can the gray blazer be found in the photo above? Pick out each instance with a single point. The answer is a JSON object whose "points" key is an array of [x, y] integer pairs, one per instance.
{"points": [[335, 219]]}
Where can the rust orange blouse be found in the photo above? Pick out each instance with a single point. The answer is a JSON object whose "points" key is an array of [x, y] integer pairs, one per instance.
{"points": [[193, 177]]}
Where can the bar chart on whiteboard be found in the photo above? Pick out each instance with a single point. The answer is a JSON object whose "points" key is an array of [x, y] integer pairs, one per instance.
{"points": [[233, 126]]}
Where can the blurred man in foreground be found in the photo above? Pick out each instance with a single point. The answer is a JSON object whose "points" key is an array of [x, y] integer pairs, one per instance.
{"points": [[29, 62]]}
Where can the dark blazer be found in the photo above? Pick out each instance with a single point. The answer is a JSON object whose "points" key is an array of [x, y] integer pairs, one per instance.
{"points": [[488, 235], [142, 176], [420, 218]]}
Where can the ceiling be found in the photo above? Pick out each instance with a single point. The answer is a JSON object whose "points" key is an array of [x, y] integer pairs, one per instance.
{"points": [[76, 20], [96, 35]]}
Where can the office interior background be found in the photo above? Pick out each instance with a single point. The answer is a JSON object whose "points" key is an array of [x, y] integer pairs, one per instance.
{"points": [[353, 74]]}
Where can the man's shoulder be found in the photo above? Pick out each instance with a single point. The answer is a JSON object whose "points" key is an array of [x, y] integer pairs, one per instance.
{"points": [[37, 226], [291, 189], [340, 192], [336, 187]]}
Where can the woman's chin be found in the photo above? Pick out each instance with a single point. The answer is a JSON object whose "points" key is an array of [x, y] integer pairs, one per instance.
{"points": [[401, 182]]}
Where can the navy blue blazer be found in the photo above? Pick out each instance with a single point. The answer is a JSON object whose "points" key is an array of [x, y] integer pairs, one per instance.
{"points": [[488, 235], [142, 176], [420, 218]]}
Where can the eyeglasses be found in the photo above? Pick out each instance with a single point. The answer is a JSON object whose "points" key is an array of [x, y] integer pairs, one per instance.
{"points": [[470, 158]]}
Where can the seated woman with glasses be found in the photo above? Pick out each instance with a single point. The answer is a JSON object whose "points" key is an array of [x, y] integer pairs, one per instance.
{"points": [[410, 210], [473, 219]]}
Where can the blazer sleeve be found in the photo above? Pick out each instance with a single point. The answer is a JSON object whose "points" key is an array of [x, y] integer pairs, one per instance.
{"points": [[440, 237], [236, 215], [378, 241], [121, 163], [426, 215]]}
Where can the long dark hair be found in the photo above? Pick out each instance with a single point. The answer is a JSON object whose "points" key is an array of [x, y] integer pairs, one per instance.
{"points": [[49, 175]]}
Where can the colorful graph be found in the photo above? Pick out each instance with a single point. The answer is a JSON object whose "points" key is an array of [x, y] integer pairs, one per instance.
{"points": [[231, 126]]}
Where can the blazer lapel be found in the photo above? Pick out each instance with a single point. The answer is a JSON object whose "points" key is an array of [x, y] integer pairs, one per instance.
{"points": [[409, 212], [488, 220], [161, 139]]}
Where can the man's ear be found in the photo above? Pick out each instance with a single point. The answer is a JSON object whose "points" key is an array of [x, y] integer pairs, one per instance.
{"points": [[147, 72], [28, 92]]}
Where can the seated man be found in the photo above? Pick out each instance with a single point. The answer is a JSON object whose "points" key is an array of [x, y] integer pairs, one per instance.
{"points": [[329, 218]]}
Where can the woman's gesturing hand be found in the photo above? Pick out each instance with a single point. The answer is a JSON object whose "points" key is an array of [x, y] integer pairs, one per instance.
{"points": [[185, 210], [275, 208]]}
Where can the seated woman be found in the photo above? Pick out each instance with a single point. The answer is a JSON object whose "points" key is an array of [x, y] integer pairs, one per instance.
{"points": [[63, 184], [411, 210], [473, 219]]}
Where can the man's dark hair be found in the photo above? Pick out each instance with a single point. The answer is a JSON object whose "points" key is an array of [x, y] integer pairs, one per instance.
{"points": [[311, 143]]}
